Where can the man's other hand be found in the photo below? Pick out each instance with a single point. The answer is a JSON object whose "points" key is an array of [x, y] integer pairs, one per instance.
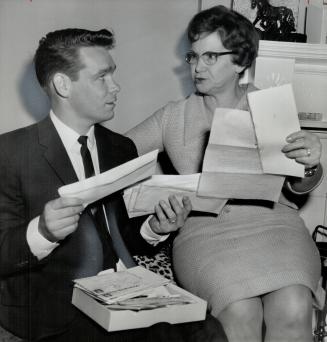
{"points": [[170, 216]]}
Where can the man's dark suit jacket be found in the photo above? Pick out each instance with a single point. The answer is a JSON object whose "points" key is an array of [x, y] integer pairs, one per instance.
{"points": [[35, 295]]}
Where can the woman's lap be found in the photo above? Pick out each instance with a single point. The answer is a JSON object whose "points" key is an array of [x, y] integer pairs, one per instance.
{"points": [[247, 252]]}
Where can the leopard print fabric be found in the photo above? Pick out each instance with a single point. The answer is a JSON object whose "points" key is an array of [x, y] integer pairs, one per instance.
{"points": [[159, 263]]}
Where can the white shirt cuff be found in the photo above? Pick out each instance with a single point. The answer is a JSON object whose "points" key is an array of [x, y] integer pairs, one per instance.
{"points": [[39, 246], [149, 235]]}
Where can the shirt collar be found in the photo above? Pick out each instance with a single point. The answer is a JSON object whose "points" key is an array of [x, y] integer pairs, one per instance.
{"points": [[69, 136]]}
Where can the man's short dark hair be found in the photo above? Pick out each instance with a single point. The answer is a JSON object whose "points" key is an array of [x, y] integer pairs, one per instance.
{"points": [[236, 32], [58, 51]]}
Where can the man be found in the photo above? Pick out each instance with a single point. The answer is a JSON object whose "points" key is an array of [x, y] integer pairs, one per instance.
{"points": [[46, 241]]}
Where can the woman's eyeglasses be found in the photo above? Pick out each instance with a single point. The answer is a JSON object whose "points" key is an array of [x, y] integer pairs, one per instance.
{"points": [[209, 57]]}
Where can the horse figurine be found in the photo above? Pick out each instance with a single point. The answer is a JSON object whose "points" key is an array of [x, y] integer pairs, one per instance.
{"points": [[273, 20]]}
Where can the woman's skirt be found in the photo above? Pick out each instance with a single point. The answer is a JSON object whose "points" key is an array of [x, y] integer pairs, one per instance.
{"points": [[247, 251]]}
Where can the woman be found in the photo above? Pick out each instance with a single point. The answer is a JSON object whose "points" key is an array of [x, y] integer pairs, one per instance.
{"points": [[255, 262]]}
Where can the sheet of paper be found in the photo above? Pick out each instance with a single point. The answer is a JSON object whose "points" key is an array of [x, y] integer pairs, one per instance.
{"points": [[141, 198], [222, 158], [241, 186], [232, 127], [106, 183], [232, 145], [232, 165], [275, 116]]}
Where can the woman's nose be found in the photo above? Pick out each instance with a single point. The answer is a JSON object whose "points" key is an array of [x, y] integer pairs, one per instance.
{"points": [[199, 65]]}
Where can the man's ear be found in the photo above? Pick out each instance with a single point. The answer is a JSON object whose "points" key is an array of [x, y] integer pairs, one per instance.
{"points": [[62, 84]]}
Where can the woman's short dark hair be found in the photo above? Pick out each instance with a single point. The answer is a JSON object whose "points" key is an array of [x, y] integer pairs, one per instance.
{"points": [[236, 32], [58, 51]]}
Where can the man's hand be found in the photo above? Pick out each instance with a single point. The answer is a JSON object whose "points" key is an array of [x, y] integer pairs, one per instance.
{"points": [[304, 147], [170, 216], [60, 218]]}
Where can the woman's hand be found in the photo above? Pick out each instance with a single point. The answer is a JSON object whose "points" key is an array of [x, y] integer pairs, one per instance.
{"points": [[304, 147], [170, 216]]}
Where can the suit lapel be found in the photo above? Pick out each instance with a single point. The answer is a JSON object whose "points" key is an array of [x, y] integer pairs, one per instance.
{"points": [[110, 155], [107, 153], [55, 152]]}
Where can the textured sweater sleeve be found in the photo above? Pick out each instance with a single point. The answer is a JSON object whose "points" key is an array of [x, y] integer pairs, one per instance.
{"points": [[148, 135], [302, 186]]}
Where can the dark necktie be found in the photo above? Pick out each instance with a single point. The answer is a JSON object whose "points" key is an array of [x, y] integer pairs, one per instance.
{"points": [[110, 256], [86, 156]]}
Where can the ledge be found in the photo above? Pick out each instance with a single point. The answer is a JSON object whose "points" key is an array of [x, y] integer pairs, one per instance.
{"points": [[319, 125], [301, 52]]}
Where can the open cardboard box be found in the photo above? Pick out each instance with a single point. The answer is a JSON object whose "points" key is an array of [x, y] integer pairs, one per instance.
{"points": [[113, 320]]}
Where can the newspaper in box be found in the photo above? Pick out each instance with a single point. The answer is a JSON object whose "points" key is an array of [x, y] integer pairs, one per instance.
{"points": [[135, 298]]}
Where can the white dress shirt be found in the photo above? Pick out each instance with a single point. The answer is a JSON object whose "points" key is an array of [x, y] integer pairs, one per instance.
{"points": [[42, 247]]}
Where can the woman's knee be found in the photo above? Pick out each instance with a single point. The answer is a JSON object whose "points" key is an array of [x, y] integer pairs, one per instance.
{"points": [[242, 320], [292, 308], [247, 312]]}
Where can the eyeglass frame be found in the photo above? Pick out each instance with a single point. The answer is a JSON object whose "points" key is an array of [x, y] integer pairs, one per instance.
{"points": [[217, 54]]}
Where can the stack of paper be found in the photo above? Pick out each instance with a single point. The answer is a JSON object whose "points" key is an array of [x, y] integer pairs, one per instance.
{"points": [[137, 298], [141, 198], [106, 183], [243, 159], [133, 289], [149, 301]]}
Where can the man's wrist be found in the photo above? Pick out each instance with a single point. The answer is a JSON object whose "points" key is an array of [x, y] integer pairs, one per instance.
{"points": [[153, 228], [39, 245], [149, 235], [44, 231]]}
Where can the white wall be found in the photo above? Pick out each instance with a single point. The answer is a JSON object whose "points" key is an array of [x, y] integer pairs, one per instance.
{"points": [[149, 53], [208, 3]]}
